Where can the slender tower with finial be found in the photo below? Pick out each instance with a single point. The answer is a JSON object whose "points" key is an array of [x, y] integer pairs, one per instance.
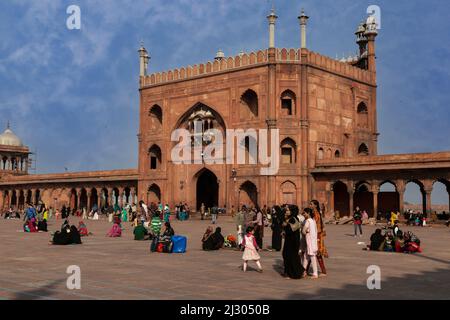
{"points": [[272, 17], [303, 19], [143, 60]]}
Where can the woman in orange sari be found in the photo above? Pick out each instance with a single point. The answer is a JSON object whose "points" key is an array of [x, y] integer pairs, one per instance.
{"points": [[322, 251]]}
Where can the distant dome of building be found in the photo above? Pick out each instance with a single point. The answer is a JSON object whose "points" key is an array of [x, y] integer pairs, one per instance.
{"points": [[8, 138]]}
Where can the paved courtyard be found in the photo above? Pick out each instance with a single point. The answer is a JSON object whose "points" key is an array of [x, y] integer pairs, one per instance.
{"points": [[121, 268]]}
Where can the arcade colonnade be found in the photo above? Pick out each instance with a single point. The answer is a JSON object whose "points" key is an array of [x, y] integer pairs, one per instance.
{"points": [[75, 197], [345, 195]]}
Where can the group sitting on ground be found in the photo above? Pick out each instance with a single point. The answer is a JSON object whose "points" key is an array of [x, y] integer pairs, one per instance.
{"points": [[68, 235], [11, 214], [212, 240], [394, 241]]}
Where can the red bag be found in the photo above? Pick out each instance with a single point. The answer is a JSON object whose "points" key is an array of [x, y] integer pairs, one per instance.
{"points": [[160, 247]]}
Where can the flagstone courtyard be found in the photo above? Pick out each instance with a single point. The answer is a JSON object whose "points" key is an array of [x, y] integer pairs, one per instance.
{"points": [[121, 268]]}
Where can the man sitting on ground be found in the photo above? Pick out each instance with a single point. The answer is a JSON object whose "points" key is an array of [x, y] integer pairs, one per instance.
{"points": [[140, 232]]}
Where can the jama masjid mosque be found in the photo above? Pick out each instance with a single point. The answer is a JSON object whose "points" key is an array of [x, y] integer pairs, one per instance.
{"points": [[325, 110]]}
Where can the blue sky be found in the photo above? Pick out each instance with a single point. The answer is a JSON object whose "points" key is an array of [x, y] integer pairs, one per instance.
{"points": [[72, 95]]}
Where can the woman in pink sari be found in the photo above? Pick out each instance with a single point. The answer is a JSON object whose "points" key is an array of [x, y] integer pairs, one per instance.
{"points": [[115, 231]]}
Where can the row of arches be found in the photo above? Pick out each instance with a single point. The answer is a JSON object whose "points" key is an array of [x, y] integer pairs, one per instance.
{"points": [[250, 109], [386, 196], [75, 198], [363, 150]]}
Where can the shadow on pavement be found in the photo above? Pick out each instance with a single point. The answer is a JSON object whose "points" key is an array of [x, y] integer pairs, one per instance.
{"points": [[429, 285], [40, 293]]}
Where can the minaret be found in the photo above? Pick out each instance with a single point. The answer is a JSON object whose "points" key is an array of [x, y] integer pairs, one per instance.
{"points": [[143, 60], [371, 32], [361, 39], [272, 17], [303, 19]]}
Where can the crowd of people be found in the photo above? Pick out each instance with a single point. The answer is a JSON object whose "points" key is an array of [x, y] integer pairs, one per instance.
{"points": [[303, 249]]}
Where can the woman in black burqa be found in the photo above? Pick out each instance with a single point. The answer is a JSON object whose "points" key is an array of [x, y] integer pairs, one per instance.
{"points": [[277, 228], [291, 257]]}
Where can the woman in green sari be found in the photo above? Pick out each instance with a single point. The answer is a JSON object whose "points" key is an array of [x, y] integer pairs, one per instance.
{"points": [[124, 214]]}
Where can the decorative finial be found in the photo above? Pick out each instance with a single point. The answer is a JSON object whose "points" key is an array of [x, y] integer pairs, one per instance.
{"points": [[219, 55], [7, 125]]}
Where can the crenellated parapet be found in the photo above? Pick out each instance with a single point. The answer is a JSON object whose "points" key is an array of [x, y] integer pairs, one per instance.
{"points": [[230, 63], [341, 68], [243, 60]]}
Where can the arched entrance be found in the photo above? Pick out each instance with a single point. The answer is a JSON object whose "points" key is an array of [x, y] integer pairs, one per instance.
{"points": [[207, 189], [341, 199], [363, 198], [248, 194], [83, 200], [388, 198], [94, 199], [154, 194]]}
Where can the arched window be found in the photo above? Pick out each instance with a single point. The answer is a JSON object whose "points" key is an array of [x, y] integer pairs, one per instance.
{"points": [[362, 115], [337, 154], [363, 150], [320, 154], [155, 157], [287, 103], [288, 147], [249, 102], [155, 115]]}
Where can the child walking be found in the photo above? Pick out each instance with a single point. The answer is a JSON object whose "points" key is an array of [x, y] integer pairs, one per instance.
{"points": [[250, 249]]}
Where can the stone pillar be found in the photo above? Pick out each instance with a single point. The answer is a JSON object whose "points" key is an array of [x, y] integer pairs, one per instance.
{"points": [[132, 195], [110, 197], [2, 199], [331, 201], [33, 196], [77, 200], [375, 191], [89, 202], [375, 203], [120, 197], [99, 198], [427, 199], [401, 195], [350, 207]]}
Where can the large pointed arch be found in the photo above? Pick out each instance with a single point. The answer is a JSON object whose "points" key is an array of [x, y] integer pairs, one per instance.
{"points": [[183, 121]]}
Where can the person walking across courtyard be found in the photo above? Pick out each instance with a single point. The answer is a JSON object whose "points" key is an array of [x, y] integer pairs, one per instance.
{"points": [[357, 221]]}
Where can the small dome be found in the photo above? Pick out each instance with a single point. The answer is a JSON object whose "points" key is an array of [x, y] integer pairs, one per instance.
{"points": [[8, 138], [371, 20]]}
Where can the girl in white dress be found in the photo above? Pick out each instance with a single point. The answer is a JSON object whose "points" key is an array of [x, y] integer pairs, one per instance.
{"points": [[250, 250]]}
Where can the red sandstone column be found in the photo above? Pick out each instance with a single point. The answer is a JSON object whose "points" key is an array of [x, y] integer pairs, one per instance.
{"points": [[375, 203], [428, 202], [89, 204], [350, 207]]}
